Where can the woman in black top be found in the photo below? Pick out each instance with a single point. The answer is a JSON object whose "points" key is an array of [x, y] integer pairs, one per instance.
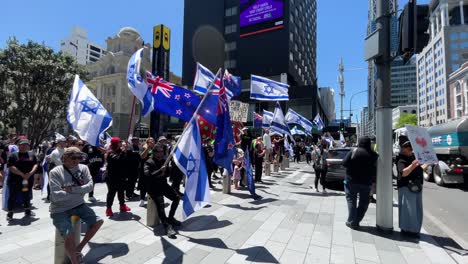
{"points": [[410, 180], [116, 174]]}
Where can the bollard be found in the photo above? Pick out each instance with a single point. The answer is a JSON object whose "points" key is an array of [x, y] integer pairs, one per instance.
{"points": [[286, 163], [267, 168], [60, 254], [152, 217], [283, 163], [275, 167], [226, 182]]}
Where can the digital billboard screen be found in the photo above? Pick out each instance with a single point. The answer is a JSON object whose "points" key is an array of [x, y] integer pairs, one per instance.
{"points": [[257, 11]]}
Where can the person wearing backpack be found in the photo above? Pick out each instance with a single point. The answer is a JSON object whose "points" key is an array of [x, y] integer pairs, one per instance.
{"points": [[361, 167], [320, 155]]}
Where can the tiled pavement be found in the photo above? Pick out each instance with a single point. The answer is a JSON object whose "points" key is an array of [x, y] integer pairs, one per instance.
{"points": [[291, 224]]}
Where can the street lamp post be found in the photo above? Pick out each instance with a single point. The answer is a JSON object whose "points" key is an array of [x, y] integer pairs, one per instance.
{"points": [[350, 101]]}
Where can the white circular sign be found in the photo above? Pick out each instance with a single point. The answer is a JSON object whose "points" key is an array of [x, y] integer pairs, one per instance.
{"points": [[449, 140]]}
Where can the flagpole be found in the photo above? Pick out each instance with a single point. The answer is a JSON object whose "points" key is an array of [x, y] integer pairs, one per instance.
{"points": [[131, 117], [191, 120]]}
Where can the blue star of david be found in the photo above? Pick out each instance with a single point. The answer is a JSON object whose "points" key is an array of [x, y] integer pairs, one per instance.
{"points": [[268, 89], [91, 105], [191, 165]]}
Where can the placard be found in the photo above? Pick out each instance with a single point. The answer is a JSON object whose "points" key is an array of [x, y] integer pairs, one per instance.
{"points": [[238, 111], [422, 145]]}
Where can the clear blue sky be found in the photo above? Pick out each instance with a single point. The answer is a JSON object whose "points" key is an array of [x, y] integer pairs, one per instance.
{"points": [[341, 31]]}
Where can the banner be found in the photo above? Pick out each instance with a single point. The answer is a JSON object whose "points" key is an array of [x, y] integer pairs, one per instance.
{"points": [[238, 111], [422, 145]]}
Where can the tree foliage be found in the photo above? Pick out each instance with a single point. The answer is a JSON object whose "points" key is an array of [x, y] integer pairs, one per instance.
{"points": [[407, 119], [35, 83]]}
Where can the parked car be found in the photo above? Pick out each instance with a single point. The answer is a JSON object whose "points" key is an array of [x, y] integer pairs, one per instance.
{"points": [[335, 170]]}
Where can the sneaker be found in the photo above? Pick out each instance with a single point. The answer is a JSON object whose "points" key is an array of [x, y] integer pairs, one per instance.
{"points": [[109, 212], [324, 190], [28, 212], [124, 208], [170, 232], [92, 199], [142, 203], [316, 189], [174, 222], [9, 216], [350, 225]]}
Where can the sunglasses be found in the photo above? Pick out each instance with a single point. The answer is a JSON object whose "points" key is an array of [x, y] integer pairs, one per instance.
{"points": [[76, 158]]}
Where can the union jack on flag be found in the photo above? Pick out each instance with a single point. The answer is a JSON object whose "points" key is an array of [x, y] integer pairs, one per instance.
{"points": [[157, 83], [257, 120]]}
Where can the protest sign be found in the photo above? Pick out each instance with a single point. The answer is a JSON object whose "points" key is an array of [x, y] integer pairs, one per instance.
{"points": [[238, 111], [422, 145]]}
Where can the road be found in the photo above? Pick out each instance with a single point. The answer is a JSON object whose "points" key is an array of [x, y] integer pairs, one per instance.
{"points": [[446, 213]]}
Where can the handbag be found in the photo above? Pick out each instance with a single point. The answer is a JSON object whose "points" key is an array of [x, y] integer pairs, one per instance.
{"points": [[414, 186]]}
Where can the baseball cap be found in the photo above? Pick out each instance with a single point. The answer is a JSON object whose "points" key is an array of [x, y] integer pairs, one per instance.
{"points": [[162, 138], [115, 140], [23, 141]]}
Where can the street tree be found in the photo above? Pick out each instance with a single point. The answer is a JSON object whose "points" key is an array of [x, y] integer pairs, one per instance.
{"points": [[407, 119], [35, 84]]}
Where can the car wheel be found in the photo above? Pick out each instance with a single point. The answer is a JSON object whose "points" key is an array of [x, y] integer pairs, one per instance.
{"points": [[427, 175], [438, 176]]}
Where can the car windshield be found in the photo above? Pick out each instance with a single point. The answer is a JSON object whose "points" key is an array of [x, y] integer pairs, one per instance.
{"points": [[337, 153]]}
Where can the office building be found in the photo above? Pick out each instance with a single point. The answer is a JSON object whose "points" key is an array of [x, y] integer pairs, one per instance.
{"points": [[459, 92], [404, 82], [271, 38], [78, 46], [446, 51], [327, 98]]}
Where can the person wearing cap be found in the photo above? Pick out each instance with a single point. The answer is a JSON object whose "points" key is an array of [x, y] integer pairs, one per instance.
{"points": [[409, 183], [158, 188], [361, 167], [55, 159], [116, 175], [22, 166], [68, 184]]}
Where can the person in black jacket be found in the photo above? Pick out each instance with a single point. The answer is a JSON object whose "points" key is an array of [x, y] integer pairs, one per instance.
{"points": [[157, 188], [361, 166]]}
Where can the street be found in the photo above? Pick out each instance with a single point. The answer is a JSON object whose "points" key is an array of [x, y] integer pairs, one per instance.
{"points": [[446, 210]]}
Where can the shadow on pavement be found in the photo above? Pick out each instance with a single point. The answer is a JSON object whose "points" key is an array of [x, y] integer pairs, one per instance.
{"points": [[314, 193], [264, 201], [242, 195], [126, 216], [97, 204], [268, 193], [25, 221], [99, 251], [171, 252], [238, 206], [257, 254], [203, 222]]}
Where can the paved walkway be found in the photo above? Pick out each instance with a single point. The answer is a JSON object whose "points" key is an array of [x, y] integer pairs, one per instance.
{"points": [[291, 224]]}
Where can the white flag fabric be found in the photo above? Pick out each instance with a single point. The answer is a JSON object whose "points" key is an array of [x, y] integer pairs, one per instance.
{"points": [[318, 122], [278, 124], [342, 139], [190, 159], [292, 117], [203, 79], [267, 118], [296, 131], [137, 85], [264, 89], [59, 136], [86, 115]]}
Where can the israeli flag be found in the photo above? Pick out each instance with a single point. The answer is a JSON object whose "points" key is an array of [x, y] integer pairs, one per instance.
{"points": [[137, 85], [189, 157], [296, 131], [342, 139], [292, 117], [267, 118], [203, 79], [86, 115], [278, 124], [264, 89], [318, 122]]}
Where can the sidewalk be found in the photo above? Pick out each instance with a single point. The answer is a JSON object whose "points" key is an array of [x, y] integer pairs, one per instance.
{"points": [[291, 224]]}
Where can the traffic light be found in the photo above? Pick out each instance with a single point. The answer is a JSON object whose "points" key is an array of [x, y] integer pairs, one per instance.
{"points": [[342, 128], [412, 35]]}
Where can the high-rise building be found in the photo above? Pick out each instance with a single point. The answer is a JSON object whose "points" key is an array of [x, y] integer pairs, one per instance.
{"points": [[446, 51], [327, 97], [363, 128], [271, 38], [78, 46], [372, 71], [404, 82]]}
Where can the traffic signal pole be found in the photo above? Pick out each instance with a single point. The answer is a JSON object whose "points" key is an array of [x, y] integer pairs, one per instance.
{"points": [[384, 219]]}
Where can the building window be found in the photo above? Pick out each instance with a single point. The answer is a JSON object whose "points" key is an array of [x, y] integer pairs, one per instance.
{"points": [[231, 11], [230, 46], [455, 67], [454, 46], [230, 64], [230, 29], [454, 36]]}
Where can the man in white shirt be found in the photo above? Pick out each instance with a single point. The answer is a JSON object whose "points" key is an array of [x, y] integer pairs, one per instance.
{"points": [[268, 146], [55, 159]]}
